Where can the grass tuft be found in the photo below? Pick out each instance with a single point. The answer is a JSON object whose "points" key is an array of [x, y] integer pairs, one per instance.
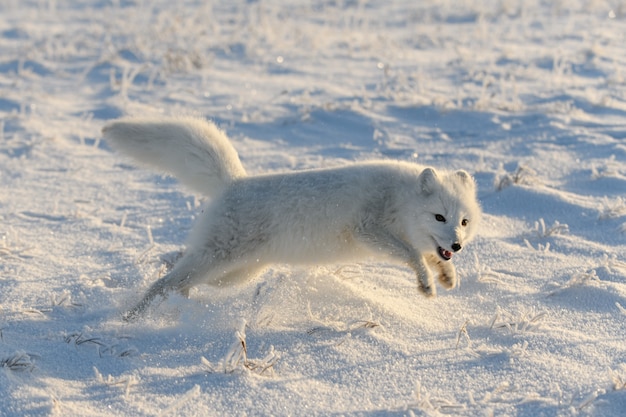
{"points": [[580, 279], [126, 381], [612, 208], [237, 358], [543, 231], [18, 362], [523, 323], [523, 175], [434, 406]]}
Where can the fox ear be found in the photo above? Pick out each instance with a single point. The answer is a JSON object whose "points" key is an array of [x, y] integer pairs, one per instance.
{"points": [[466, 178], [428, 180]]}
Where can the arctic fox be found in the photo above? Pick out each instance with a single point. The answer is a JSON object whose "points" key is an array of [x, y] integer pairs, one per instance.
{"points": [[399, 210]]}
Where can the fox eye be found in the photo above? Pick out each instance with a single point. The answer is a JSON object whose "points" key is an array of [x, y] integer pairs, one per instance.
{"points": [[464, 222], [440, 218]]}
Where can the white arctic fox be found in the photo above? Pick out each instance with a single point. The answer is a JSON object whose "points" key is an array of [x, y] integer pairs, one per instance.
{"points": [[399, 210]]}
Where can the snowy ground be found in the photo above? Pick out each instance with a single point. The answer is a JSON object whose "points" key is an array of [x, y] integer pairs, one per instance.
{"points": [[529, 96]]}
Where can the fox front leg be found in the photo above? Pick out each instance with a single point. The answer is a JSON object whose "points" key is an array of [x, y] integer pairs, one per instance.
{"points": [[381, 239], [425, 281], [445, 270]]}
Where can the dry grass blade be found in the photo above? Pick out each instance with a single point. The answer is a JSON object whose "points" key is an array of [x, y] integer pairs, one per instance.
{"points": [[78, 339], [364, 324], [65, 299], [176, 405], [618, 378], [463, 332], [317, 329], [590, 399]]}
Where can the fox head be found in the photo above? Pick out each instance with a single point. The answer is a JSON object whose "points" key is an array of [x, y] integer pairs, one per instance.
{"points": [[446, 213]]}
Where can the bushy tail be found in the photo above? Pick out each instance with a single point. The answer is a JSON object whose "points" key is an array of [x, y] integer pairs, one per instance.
{"points": [[191, 149]]}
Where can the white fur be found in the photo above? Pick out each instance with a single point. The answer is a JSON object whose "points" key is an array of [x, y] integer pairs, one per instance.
{"points": [[192, 150], [383, 208]]}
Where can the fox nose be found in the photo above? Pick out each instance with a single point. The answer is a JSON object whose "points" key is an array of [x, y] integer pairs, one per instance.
{"points": [[456, 246]]}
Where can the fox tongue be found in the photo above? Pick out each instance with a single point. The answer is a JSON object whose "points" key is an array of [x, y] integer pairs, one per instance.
{"points": [[445, 254]]}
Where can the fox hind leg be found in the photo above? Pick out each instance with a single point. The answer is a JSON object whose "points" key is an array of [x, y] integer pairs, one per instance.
{"points": [[233, 277], [191, 270], [177, 279]]}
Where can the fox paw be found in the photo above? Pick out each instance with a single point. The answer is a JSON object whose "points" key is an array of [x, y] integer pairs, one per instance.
{"points": [[427, 289], [446, 272], [447, 278]]}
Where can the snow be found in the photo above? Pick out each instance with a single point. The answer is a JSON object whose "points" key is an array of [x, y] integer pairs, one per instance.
{"points": [[528, 96]]}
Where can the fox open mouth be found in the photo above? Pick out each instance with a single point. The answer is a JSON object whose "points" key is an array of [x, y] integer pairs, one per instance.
{"points": [[446, 255]]}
